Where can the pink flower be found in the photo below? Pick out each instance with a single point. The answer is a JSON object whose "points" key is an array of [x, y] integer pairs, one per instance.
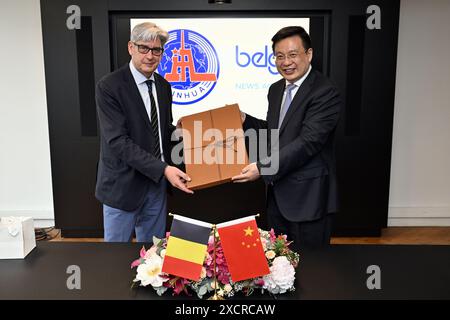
{"points": [[259, 282], [142, 252], [179, 286], [272, 235], [139, 261], [136, 262]]}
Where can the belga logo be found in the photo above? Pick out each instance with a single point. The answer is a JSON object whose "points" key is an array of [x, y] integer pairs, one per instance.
{"points": [[258, 59], [190, 64]]}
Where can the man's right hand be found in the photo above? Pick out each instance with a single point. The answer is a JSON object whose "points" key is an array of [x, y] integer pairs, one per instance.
{"points": [[177, 178]]}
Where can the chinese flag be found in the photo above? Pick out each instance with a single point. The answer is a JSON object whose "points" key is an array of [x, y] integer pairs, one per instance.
{"points": [[242, 248]]}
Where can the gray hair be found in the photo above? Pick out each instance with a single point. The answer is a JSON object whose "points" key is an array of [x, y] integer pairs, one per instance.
{"points": [[147, 32]]}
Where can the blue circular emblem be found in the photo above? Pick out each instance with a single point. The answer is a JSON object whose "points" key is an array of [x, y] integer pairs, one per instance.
{"points": [[190, 64]]}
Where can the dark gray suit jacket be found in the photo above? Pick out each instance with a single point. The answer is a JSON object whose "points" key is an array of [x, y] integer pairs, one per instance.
{"points": [[305, 186], [126, 166]]}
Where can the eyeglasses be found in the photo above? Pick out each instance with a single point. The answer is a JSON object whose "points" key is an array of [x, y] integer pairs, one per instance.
{"points": [[156, 51], [291, 56]]}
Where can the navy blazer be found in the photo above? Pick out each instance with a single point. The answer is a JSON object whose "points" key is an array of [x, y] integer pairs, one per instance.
{"points": [[304, 187], [127, 166]]}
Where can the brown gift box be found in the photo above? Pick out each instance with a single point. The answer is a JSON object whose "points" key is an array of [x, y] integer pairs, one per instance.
{"points": [[213, 158]]}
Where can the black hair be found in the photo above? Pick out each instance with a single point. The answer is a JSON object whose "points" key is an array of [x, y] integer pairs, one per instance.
{"points": [[287, 32]]}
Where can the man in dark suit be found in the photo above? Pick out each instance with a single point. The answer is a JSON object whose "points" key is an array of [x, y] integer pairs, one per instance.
{"points": [[134, 106], [304, 106]]}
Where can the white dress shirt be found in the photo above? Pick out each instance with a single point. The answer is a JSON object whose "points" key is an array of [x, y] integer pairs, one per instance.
{"points": [[140, 79]]}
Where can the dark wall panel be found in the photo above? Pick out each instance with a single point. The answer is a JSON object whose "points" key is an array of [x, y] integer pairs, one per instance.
{"points": [[355, 60], [86, 79], [74, 61]]}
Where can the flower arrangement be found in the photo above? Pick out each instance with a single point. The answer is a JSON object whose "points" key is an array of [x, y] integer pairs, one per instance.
{"points": [[282, 263]]}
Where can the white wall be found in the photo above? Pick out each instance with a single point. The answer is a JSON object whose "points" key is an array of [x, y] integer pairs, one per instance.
{"points": [[25, 173], [420, 171]]}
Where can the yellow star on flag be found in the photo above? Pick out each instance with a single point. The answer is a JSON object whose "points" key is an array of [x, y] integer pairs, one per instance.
{"points": [[248, 231]]}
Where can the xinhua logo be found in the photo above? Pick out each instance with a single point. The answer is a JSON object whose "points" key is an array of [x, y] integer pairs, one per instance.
{"points": [[190, 64]]}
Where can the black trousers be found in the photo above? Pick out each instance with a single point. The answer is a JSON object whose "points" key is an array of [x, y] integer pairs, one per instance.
{"points": [[309, 234]]}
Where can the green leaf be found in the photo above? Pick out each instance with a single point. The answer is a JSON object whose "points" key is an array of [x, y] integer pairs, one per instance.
{"points": [[156, 240]]}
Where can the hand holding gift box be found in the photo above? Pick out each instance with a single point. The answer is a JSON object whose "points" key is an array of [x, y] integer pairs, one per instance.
{"points": [[213, 146]]}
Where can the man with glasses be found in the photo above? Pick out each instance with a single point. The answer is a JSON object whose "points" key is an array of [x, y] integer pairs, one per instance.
{"points": [[304, 106], [134, 106]]}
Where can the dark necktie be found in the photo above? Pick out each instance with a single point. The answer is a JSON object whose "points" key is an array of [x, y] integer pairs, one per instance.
{"points": [[154, 120]]}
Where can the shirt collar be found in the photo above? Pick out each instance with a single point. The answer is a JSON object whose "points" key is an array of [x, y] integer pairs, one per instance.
{"points": [[139, 78], [299, 82]]}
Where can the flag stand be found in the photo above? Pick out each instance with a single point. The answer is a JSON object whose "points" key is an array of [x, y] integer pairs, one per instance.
{"points": [[215, 296]]}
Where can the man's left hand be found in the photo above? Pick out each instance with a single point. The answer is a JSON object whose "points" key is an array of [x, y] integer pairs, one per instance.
{"points": [[249, 173]]}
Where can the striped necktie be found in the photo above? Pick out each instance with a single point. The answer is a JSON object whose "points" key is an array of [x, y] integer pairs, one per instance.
{"points": [[287, 103], [154, 120]]}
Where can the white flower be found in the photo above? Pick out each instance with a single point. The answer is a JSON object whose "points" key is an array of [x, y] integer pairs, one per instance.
{"points": [[150, 252], [281, 277], [270, 254], [203, 273], [263, 243], [163, 253], [227, 288], [150, 272]]}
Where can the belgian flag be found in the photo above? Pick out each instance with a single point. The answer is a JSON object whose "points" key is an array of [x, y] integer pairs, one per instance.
{"points": [[186, 247]]}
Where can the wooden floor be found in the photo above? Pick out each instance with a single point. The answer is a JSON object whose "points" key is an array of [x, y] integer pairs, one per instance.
{"points": [[403, 235], [392, 235]]}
